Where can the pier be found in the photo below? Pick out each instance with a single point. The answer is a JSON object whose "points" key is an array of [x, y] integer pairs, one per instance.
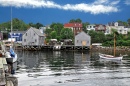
{"points": [[6, 77], [54, 47]]}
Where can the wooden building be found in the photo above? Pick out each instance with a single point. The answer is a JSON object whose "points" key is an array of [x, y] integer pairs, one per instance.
{"points": [[33, 37], [82, 39]]}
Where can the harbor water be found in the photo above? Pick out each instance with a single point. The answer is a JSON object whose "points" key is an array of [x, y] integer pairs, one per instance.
{"points": [[70, 68]]}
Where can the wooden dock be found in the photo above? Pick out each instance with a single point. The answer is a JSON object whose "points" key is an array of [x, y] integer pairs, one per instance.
{"points": [[6, 77], [56, 47]]}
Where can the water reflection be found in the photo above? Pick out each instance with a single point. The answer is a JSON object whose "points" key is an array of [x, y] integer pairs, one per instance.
{"points": [[63, 60], [70, 66]]}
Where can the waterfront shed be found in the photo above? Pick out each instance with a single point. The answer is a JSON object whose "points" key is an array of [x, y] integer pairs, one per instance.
{"points": [[33, 37], [82, 39]]}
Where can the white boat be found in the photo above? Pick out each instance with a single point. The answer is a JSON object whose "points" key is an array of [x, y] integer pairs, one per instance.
{"points": [[7, 55], [57, 47], [10, 59], [111, 57]]}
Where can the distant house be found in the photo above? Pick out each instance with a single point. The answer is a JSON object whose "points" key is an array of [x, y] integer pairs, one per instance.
{"points": [[43, 29], [91, 27], [33, 36], [100, 28], [121, 29], [76, 27], [17, 35], [82, 39]]}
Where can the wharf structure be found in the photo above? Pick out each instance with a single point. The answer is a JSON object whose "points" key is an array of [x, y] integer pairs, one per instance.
{"points": [[33, 39], [55, 47]]}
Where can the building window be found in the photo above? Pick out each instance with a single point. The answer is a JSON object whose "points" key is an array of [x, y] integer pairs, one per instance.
{"points": [[34, 34], [77, 41], [26, 34], [35, 40]]}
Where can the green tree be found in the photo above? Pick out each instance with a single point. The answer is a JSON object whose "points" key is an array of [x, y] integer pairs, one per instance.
{"points": [[66, 33], [37, 25], [16, 25], [75, 21], [97, 37], [53, 34]]}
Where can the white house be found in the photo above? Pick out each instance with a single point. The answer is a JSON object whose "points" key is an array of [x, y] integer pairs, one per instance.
{"points": [[117, 26], [91, 27], [33, 36]]}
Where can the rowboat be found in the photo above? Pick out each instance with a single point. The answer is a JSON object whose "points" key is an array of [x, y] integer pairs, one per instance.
{"points": [[111, 57]]}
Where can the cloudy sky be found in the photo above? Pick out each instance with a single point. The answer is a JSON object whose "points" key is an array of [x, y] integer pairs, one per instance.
{"points": [[49, 11]]}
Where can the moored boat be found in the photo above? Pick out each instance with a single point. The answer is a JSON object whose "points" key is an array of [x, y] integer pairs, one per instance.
{"points": [[110, 57], [10, 59]]}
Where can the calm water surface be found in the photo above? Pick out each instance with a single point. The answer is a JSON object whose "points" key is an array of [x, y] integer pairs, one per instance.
{"points": [[69, 68]]}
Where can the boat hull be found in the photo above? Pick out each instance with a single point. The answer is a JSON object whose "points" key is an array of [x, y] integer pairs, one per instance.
{"points": [[110, 57], [10, 59]]}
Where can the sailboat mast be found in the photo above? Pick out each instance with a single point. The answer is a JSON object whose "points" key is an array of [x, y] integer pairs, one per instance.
{"points": [[114, 44], [11, 26]]}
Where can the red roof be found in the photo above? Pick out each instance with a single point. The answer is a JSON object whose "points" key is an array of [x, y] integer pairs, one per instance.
{"points": [[73, 25]]}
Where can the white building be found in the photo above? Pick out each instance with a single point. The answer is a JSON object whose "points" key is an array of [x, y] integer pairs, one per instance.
{"points": [[91, 27], [117, 26]]}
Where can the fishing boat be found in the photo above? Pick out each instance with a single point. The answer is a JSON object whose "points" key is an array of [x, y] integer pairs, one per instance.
{"points": [[111, 57]]}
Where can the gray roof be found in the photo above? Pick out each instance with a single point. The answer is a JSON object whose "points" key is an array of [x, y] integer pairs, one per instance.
{"points": [[37, 31], [22, 32]]}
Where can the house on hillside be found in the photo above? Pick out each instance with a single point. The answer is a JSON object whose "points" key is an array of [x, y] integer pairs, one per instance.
{"points": [[33, 37], [43, 29], [91, 27], [76, 27], [17, 35], [121, 29], [82, 39], [100, 28]]}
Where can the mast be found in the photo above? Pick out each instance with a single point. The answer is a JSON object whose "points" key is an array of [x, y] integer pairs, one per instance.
{"points": [[114, 45], [11, 25]]}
